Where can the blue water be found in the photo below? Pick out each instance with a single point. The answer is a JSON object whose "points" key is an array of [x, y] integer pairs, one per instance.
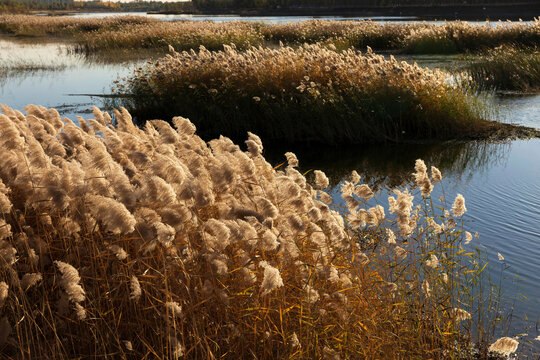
{"points": [[265, 19]]}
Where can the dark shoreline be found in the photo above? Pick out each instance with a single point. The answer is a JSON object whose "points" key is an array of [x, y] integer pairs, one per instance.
{"points": [[525, 11]]}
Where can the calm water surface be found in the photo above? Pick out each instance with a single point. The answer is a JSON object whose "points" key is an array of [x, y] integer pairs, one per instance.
{"points": [[266, 19], [500, 181]]}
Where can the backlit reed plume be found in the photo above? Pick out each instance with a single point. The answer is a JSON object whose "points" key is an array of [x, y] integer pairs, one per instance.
{"points": [[459, 205], [504, 346]]}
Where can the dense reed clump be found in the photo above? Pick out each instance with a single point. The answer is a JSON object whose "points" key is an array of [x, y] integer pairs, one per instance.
{"points": [[124, 242], [65, 26], [506, 68], [183, 35], [306, 94]]}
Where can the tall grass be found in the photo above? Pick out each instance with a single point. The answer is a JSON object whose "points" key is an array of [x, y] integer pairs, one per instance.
{"points": [[306, 94], [182, 35], [506, 68], [64, 26], [123, 242], [138, 32]]}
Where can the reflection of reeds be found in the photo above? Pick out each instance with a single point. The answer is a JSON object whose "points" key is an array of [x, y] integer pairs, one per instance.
{"points": [[12, 69], [389, 165], [151, 241], [306, 94], [506, 68]]}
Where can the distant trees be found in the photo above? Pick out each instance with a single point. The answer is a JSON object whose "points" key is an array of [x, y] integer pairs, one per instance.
{"points": [[257, 4]]}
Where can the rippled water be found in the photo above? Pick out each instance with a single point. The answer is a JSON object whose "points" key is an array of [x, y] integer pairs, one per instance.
{"points": [[500, 181]]}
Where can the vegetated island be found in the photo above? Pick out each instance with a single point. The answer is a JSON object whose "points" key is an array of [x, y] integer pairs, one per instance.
{"points": [[312, 94]]}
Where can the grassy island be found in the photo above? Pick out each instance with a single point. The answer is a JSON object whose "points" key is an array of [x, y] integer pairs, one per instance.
{"points": [[306, 94]]}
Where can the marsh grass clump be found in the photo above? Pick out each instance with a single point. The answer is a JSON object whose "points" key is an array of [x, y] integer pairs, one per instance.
{"points": [[182, 35], [306, 94], [151, 242], [64, 26], [410, 38], [506, 68]]}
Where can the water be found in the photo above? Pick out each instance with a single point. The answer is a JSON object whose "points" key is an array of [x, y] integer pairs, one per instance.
{"points": [[265, 19], [51, 76], [500, 181], [277, 19]]}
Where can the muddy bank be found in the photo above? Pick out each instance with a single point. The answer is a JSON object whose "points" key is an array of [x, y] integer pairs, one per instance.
{"points": [[496, 131]]}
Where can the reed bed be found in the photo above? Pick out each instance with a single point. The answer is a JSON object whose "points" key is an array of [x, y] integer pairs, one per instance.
{"points": [[122, 242], [413, 38], [138, 32], [306, 94], [506, 68], [182, 35], [64, 26]]}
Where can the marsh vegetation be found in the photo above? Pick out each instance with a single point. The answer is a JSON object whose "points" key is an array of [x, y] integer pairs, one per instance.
{"points": [[166, 239], [136, 241], [306, 94], [134, 32], [507, 68]]}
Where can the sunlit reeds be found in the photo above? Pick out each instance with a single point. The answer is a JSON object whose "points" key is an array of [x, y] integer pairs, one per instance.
{"points": [[64, 26], [307, 94], [151, 242], [138, 32], [182, 35], [506, 68]]}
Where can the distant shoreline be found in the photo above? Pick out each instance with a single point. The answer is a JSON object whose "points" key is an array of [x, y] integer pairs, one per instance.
{"points": [[524, 11]]}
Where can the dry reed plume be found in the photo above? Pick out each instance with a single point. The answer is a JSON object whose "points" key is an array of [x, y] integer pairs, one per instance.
{"points": [[124, 242]]}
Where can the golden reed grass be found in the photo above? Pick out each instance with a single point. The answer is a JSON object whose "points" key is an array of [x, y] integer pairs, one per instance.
{"points": [[506, 68], [126, 242], [138, 32], [311, 93]]}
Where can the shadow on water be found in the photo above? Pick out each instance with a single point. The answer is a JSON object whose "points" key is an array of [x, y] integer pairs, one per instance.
{"points": [[391, 165]]}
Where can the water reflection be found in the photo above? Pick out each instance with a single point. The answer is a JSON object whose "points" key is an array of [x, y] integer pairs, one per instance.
{"points": [[53, 75], [392, 164]]}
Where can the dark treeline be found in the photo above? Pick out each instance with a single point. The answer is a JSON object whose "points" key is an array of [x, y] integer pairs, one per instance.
{"points": [[427, 9], [17, 6], [336, 4]]}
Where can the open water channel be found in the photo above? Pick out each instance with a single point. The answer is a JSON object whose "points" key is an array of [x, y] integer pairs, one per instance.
{"points": [[500, 181]]}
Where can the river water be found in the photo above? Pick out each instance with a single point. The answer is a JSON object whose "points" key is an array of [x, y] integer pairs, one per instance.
{"points": [[500, 181]]}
